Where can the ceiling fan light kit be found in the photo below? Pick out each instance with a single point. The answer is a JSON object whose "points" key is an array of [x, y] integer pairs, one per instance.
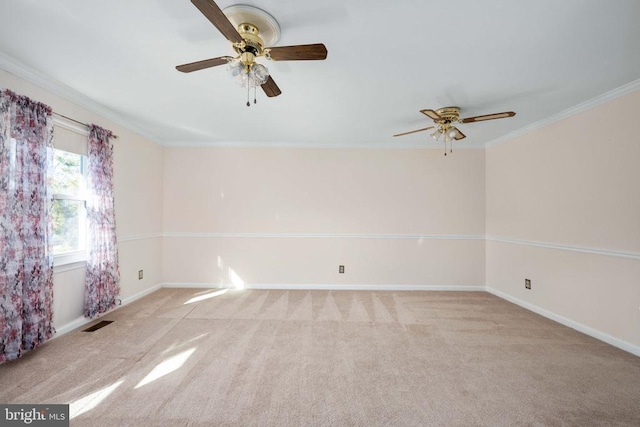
{"points": [[250, 29], [445, 118]]}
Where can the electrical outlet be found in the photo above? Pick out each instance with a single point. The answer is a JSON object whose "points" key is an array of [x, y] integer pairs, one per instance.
{"points": [[140, 274], [341, 269], [527, 284]]}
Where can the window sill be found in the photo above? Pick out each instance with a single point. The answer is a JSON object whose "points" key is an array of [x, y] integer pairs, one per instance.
{"points": [[69, 261]]}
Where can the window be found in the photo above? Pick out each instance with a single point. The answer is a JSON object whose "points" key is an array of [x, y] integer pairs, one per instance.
{"points": [[68, 212]]}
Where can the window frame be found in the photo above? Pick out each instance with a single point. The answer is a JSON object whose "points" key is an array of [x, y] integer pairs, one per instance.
{"points": [[74, 257]]}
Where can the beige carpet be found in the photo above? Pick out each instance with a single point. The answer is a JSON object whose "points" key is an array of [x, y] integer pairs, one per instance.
{"points": [[316, 358]]}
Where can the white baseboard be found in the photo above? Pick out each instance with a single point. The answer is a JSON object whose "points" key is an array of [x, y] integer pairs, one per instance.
{"points": [[81, 321], [198, 285], [365, 287], [68, 327], [616, 342], [132, 298], [329, 287]]}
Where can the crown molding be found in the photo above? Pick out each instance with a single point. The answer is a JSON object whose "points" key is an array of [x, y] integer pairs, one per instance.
{"points": [[572, 111], [323, 236], [584, 106], [18, 69], [314, 145], [15, 67]]}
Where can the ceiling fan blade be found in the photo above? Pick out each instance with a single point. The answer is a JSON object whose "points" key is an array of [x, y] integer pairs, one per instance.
{"points": [[200, 65], [299, 52], [271, 88], [488, 117], [459, 135], [432, 114], [215, 15], [414, 131]]}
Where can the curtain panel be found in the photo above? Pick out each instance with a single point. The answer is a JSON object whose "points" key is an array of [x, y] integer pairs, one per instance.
{"points": [[26, 258], [102, 283]]}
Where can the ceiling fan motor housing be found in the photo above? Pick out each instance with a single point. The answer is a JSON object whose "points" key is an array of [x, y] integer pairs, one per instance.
{"points": [[252, 41], [448, 114]]}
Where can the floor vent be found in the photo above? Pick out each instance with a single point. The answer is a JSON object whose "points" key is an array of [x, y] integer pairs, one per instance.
{"points": [[98, 325]]}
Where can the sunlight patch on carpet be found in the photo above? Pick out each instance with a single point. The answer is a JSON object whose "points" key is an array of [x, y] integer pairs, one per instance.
{"points": [[164, 368], [208, 295], [89, 402]]}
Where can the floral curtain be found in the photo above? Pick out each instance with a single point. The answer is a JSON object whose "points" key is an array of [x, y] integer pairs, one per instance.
{"points": [[26, 258], [102, 283]]}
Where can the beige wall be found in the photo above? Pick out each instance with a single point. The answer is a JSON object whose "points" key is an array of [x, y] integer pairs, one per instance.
{"points": [[559, 205], [138, 201], [563, 209], [291, 216]]}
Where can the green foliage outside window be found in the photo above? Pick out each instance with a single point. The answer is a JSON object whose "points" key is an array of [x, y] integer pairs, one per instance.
{"points": [[68, 205]]}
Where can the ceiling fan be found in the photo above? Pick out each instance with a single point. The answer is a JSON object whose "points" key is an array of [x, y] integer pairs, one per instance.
{"points": [[250, 30], [445, 118]]}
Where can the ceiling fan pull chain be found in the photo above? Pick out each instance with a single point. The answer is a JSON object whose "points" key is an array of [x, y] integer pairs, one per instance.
{"points": [[248, 92], [255, 89]]}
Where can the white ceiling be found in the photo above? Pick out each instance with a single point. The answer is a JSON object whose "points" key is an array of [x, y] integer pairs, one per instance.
{"points": [[386, 61]]}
